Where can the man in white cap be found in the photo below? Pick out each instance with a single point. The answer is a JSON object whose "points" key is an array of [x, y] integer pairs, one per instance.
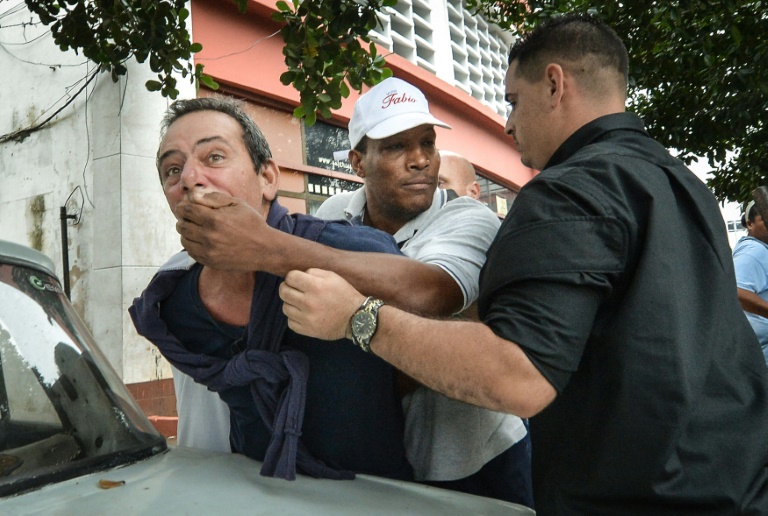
{"points": [[392, 134], [453, 444]]}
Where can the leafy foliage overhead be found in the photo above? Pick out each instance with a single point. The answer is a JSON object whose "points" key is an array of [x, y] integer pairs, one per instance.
{"points": [[111, 32], [697, 75], [323, 51], [696, 66]]}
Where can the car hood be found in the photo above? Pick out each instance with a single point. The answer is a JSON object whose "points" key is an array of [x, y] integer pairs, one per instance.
{"points": [[187, 481]]}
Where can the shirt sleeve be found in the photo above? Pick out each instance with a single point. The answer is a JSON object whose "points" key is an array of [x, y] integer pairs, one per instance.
{"points": [[548, 274], [342, 235], [456, 241], [751, 273], [333, 207]]}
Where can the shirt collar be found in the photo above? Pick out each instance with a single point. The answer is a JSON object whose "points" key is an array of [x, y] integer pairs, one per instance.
{"points": [[595, 130], [356, 209], [412, 226]]}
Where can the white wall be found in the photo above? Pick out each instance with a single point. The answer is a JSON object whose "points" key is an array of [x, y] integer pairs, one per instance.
{"points": [[98, 153]]}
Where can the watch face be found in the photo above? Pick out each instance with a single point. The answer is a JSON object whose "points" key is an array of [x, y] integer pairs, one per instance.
{"points": [[363, 325]]}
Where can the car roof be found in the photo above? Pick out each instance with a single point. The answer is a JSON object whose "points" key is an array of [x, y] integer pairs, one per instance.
{"points": [[18, 254]]}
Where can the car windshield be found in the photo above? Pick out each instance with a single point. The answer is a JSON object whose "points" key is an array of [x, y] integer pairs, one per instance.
{"points": [[63, 410]]}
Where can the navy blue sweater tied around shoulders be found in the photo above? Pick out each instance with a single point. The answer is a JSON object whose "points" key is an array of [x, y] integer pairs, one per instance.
{"points": [[277, 377]]}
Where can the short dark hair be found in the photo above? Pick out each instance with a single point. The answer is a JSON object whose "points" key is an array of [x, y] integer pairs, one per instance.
{"points": [[253, 138], [569, 39]]}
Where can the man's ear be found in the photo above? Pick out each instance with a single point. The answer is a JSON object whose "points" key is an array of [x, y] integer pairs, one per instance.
{"points": [[554, 75], [356, 160], [270, 180], [473, 190]]}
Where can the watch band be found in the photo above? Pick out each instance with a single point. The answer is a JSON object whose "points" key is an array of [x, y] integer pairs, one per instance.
{"points": [[364, 322]]}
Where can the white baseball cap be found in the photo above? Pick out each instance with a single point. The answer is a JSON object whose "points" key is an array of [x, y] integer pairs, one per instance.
{"points": [[390, 107]]}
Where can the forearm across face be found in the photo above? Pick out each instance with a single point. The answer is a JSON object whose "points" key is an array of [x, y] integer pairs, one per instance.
{"points": [[400, 281], [403, 282], [234, 236]]}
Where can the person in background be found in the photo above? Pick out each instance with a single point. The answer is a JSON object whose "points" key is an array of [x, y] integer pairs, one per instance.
{"points": [[750, 260], [328, 412], [608, 306], [458, 174]]}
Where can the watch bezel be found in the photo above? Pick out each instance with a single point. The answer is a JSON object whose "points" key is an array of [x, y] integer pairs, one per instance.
{"points": [[364, 322]]}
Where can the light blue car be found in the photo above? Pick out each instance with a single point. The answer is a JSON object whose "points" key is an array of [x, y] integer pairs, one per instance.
{"points": [[73, 441]]}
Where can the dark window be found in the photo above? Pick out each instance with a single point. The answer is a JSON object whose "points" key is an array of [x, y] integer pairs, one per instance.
{"points": [[497, 197], [321, 141]]}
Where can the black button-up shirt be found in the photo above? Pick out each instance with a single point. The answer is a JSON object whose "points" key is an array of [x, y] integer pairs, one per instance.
{"points": [[613, 273]]}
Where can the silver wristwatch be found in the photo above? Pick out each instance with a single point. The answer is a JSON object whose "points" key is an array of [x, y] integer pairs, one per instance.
{"points": [[364, 321]]}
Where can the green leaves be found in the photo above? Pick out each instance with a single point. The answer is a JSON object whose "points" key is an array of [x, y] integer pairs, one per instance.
{"points": [[208, 81], [111, 32], [695, 76], [323, 56]]}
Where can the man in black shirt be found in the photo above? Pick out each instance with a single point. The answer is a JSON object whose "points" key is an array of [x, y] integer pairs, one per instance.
{"points": [[608, 303]]}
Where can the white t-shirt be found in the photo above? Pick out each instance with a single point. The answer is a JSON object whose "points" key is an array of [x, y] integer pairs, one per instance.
{"points": [[203, 416], [445, 439]]}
